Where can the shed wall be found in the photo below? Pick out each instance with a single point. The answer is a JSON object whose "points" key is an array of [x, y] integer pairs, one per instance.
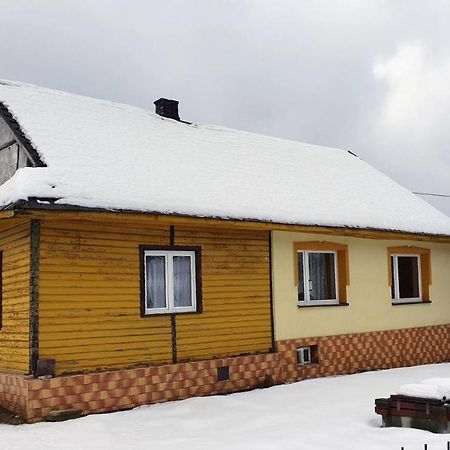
{"points": [[90, 296], [14, 333], [236, 294]]}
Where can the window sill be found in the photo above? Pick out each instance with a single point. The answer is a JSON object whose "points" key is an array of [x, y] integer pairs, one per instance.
{"points": [[171, 313], [411, 303], [322, 305], [313, 365]]}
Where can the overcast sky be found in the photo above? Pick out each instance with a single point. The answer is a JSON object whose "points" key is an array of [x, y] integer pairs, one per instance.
{"points": [[370, 76]]}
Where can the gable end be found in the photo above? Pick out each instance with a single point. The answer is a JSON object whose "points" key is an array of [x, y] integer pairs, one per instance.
{"points": [[20, 136]]}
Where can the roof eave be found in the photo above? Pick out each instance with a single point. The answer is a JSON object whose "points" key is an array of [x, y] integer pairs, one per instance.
{"points": [[35, 206]]}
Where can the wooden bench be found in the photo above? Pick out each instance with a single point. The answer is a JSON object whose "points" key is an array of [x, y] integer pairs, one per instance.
{"points": [[414, 412]]}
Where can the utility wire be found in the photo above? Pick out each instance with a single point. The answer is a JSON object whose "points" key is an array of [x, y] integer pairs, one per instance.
{"points": [[432, 194]]}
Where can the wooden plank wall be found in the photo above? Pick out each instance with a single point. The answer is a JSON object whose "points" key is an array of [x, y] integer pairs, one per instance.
{"points": [[89, 304], [89, 316], [14, 334], [236, 294]]}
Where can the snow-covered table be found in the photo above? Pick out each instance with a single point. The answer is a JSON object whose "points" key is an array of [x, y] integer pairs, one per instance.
{"points": [[414, 412]]}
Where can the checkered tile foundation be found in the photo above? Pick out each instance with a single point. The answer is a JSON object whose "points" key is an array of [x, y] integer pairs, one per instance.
{"points": [[351, 353], [14, 393], [123, 389], [33, 399]]}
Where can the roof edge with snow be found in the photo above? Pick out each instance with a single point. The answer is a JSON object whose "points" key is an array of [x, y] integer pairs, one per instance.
{"points": [[96, 155], [49, 205]]}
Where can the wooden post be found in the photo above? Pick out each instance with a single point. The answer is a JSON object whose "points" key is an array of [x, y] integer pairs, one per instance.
{"points": [[34, 295]]}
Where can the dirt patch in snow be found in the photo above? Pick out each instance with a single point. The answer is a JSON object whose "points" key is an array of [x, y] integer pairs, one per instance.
{"points": [[9, 418]]}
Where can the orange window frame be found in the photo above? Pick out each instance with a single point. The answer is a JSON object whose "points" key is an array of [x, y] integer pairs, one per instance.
{"points": [[425, 266], [342, 262]]}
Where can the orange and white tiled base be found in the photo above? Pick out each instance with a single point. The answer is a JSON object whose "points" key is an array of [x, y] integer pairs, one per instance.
{"points": [[33, 399], [352, 353], [124, 389], [14, 393]]}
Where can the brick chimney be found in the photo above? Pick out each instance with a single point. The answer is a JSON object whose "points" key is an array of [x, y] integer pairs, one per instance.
{"points": [[167, 108]]}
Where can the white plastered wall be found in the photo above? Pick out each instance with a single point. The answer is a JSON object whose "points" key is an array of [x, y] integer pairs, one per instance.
{"points": [[368, 294]]}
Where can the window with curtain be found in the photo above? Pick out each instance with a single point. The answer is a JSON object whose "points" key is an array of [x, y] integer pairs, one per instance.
{"points": [[170, 281], [317, 276], [406, 277]]}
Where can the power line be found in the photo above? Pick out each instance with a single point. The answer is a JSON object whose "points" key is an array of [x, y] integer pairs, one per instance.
{"points": [[432, 194]]}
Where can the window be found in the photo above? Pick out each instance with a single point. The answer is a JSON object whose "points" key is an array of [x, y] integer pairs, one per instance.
{"points": [[12, 157], [223, 373], [409, 274], [405, 283], [304, 355], [321, 273], [170, 280], [318, 277], [307, 355]]}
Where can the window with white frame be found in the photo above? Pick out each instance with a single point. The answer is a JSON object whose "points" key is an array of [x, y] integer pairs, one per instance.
{"points": [[304, 355], [318, 277], [169, 281], [406, 278], [308, 355]]}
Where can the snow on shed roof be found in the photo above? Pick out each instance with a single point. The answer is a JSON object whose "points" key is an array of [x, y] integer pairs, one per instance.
{"points": [[108, 155]]}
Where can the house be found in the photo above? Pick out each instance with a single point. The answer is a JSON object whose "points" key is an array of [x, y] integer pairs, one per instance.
{"points": [[144, 259]]}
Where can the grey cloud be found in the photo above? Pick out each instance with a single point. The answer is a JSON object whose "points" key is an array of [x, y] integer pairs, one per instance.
{"points": [[301, 69]]}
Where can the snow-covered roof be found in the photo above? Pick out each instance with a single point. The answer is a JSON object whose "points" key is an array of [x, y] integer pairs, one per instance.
{"points": [[107, 155]]}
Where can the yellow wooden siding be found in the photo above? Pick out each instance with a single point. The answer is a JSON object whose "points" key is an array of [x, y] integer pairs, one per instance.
{"points": [[89, 308], [167, 219], [236, 294], [14, 334]]}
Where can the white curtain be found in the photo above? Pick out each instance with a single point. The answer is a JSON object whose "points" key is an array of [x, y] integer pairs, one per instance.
{"points": [[182, 295], [321, 274], [301, 281], [156, 281]]}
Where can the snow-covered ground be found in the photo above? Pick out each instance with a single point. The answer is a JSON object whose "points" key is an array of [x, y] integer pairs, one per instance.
{"points": [[322, 414]]}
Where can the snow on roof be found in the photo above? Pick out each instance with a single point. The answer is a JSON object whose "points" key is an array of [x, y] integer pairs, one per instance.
{"points": [[108, 155]]}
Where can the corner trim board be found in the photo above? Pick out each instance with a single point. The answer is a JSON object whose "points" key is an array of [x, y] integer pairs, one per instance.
{"points": [[272, 320], [35, 233]]}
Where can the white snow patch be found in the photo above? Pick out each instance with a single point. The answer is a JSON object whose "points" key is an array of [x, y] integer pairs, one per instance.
{"points": [[423, 391], [321, 414], [432, 388], [443, 382], [108, 155]]}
